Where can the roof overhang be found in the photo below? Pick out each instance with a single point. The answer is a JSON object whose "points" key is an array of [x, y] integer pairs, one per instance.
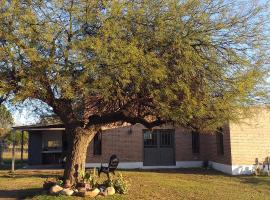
{"points": [[54, 127]]}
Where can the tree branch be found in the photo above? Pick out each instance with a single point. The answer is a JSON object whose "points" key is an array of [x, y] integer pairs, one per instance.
{"points": [[121, 116]]}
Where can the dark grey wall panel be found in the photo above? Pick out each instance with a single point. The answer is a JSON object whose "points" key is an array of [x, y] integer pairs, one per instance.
{"points": [[34, 148]]}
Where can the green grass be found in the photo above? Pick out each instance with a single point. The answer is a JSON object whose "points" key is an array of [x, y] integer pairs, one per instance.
{"points": [[163, 184]]}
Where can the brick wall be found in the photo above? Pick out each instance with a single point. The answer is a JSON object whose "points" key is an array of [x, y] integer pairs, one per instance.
{"points": [[250, 139], [129, 147], [183, 146], [211, 152]]}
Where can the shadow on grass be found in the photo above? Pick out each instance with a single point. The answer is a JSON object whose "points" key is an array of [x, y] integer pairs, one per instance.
{"points": [[30, 174], [20, 193], [192, 171], [7, 164], [253, 180]]}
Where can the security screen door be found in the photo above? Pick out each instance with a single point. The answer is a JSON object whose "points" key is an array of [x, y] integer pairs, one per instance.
{"points": [[159, 147]]}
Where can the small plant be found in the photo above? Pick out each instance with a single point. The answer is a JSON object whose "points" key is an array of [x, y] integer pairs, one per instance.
{"points": [[59, 182], [108, 183], [258, 171], [258, 168], [93, 180], [120, 184]]}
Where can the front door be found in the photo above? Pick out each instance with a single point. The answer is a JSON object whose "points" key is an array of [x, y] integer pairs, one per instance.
{"points": [[159, 147]]}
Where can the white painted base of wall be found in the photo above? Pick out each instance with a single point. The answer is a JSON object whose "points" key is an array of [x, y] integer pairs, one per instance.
{"points": [[233, 169], [228, 169], [189, 164], [122, 165], [221, 167], [139, 165]]}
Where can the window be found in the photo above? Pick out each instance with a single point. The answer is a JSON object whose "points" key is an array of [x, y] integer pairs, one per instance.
{"points": [[150, 139], [166, 138], [195, 142], [97, 143], [162, 138], [54, 144], [219, 139]]}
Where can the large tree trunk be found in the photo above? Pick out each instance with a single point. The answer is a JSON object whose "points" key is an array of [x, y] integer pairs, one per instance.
{"points": [[78, 141]]}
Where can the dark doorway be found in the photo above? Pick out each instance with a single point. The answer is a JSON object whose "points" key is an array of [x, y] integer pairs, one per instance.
{"points": [[159, 147]]}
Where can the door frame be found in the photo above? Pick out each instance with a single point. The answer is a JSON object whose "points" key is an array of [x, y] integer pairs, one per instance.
{"points": [[158, 140]]}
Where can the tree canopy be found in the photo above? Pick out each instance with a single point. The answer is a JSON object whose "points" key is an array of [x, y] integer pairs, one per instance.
{"points": [[194, 63], [190, 62], [6, 120]]}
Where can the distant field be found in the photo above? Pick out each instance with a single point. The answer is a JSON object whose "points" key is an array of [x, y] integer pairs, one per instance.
{"points": [[7, 155]]}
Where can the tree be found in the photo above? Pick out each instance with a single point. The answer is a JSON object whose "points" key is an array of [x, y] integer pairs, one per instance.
{"points": [[17, 137], [190, 62], [6, 121]]}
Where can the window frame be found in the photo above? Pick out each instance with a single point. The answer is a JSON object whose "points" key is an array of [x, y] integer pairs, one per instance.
{"points": [[97, 144], [195, 140], [220, 141]]}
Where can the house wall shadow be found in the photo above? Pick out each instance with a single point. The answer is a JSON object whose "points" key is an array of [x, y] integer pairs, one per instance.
{"points": [[20, 193]]}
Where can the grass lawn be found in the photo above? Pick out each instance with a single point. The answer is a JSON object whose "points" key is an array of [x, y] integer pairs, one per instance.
{"points": [[163, 184]]}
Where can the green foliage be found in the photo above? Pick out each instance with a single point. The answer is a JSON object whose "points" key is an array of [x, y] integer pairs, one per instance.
{"points": [[60, 182], [195, 63], [120, 185], [6, 121], [88, 177], [18, 137]]}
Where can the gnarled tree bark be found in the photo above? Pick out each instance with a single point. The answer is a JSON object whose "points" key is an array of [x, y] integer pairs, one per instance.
{"points": [[78, 139]]}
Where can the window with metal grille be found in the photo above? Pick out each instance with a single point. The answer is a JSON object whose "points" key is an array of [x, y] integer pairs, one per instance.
{"points": [[150, 138], [97, 143], [158, 137], [166, 139], [195, 142], [220, 142]]}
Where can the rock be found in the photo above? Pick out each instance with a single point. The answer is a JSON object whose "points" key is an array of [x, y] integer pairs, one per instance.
{"points": [[103, 194], [67, 192], [48, 184], [110, 190], [92, 193], [81, 189], [55, 189]]}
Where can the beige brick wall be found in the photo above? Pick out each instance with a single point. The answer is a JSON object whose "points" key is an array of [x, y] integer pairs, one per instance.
{"points": [[250, 139]]}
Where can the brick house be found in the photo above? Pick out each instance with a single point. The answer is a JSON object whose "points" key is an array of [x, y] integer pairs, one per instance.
{"points": [[232, 150]]}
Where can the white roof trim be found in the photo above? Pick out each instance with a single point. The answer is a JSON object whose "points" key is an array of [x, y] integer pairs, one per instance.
{"points": [[43, 129]]}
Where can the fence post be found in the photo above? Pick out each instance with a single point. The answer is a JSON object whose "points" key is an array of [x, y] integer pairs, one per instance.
{"points": [[22, 147], [13, 153]]}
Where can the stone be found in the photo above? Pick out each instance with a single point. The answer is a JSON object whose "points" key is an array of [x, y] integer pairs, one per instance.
{"points": [[81, 189], [92, 193], [110, 190], [103, 194], [55, 189], [67, 192], [48, 184]]}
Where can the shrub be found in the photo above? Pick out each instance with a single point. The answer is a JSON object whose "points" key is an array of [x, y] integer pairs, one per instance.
{"points": [[119, 183]]}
